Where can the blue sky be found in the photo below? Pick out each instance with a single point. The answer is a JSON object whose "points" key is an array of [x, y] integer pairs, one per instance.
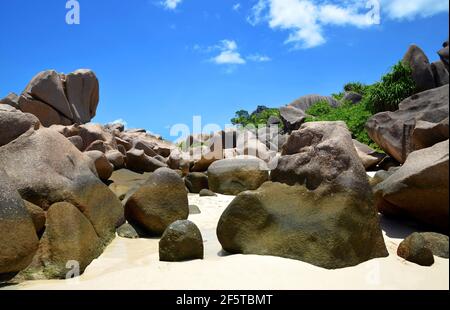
{"points": [[159, 62]]}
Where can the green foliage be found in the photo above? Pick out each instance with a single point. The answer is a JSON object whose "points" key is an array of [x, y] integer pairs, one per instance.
{"points": [[393, 88], [354, 115], [356, 87], [319, 109], [338, 96], [245, 119]]}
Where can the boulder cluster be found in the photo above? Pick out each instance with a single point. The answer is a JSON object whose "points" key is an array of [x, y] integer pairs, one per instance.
{"points": [[416, 136], [67, 186]]}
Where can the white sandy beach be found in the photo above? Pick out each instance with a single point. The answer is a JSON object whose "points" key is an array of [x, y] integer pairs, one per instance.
{"points": [[134, 264]]}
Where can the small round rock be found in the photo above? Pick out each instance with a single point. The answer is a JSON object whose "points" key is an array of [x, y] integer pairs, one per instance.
{"points": [[127, 231], [181, 241], [207, 193], [415, 249]]}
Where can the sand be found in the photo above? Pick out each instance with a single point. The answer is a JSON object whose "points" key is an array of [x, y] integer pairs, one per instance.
{"points": [[134, 264]]}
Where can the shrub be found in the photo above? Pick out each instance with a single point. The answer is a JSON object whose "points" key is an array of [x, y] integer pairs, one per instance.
{"points": [[393, 88], [256, 118], [354, 115], [356, 87]]}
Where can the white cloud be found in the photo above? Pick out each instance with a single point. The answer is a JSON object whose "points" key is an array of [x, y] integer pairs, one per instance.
{"points": [[304, 19], [408, 9], [236, 7], [171, 4], [257, 14], [259, 58], [229, 54]]}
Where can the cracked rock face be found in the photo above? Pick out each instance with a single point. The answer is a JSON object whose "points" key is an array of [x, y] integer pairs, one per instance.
{"points": [[401, 132], [46, 168], [322, 153], [323, 214], [419, 188], [18, 239], [56, 98]]}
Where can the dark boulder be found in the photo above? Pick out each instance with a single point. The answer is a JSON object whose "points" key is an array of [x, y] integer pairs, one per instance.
{"points": [[181, 241], [422, 73], [160, 201]]}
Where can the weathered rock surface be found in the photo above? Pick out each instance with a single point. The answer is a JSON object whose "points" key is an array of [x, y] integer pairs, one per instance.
{"points": [[46, 168], [294, 114], [138, 161], [292, 118], [444, 55], [440, 73], [125, 182], [12, 100], [127, 231], [207, 193], [419, 189], [369, 157], [422, 73], [330, 231], [415, 249], [305, 102], [393, 131], [352, 97], [437, 243], [69, 241], [18, 239], [426, 134], [37, 215], [181, 241], [193, 209], [322, 153], [14, 123], [160, 201], [61, 99], [196, 181], [103, 167], [232, 176]]}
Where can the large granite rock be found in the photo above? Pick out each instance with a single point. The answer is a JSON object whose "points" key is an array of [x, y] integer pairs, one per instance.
{"points": [[352, 97], [103, 167], [292, 118], [46, 168], [322, 153], [18, 239], [38, 216], [14, 123], [61, 99], [160, 201], [393, 131], [235, 175], [196, 181], [419, 189], [82, 90], [444, 55], [294, 114], [422, 73], [305, 102], [11, 99], [69, 241], [440, 73], [330, 231], [140, 162]]}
